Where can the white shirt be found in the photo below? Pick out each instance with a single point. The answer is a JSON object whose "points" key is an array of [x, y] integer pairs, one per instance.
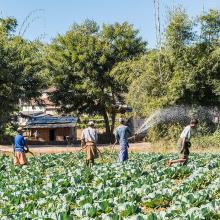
{"points": [[89, 134], [187, 132]]}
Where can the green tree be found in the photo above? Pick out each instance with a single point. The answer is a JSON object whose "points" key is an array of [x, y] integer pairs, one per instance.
{"points": [[147, 91], [195, 65], [8, 24], [210, 26], [179, 31], [81, 62], [20, 71], [190, 67]]}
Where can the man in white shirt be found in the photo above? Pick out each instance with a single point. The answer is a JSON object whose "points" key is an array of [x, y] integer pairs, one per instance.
{"points": [[184, 142], [89, 140]]}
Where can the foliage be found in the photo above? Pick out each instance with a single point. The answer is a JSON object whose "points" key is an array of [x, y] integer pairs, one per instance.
{"points": [[210, 25], [178, 31], [147, 91], [190, 66], [143, 188], [94, 68], [8, 24], [165, 131], [207, 140], [20, 71], [80, 63], [206, 130]]}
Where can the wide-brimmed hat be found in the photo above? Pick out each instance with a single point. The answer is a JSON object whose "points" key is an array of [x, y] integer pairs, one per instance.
{"points": [[19, 129], [91, 123], [121, 120]]}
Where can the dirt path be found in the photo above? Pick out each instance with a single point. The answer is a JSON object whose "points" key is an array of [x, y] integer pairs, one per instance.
{"points": [[134, 147], [49, 149]]}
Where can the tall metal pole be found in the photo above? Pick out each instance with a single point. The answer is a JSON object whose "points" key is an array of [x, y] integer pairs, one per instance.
{"points": [[158, 34], [203, 6], [173, 5]]}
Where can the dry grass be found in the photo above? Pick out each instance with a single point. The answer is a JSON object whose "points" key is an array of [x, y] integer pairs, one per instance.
{"points": [[170, 147]]}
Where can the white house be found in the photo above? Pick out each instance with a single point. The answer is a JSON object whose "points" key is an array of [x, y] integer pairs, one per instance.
{"points": [[34, 108]]}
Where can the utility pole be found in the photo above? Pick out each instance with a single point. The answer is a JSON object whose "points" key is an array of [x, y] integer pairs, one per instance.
{"points": [[158, 34], [173, 5], [203, 6], [157, 22]]}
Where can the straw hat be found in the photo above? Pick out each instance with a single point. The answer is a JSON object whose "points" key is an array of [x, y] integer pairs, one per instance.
{"points": [[91, 123], [19, 129], [121, 120]]}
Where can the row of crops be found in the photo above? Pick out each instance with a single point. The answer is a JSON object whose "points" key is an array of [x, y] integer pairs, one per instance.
{"points": [[62, 187]]}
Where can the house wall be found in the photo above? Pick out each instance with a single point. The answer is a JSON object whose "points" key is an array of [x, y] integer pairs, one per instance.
{"points": [[43, 134], [32, 109], [60, 134]]}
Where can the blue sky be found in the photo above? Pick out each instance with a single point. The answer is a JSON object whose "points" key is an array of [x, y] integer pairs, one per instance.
{"points": [[56, 16]]}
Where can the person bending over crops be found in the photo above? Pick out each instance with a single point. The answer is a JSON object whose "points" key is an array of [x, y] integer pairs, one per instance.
{"points": [[184, 143], [121, 136], [19, 148], [89, 140]]}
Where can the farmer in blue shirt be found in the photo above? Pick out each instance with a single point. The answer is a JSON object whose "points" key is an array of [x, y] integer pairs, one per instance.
{"points": [[19, 151], [121, 135]]}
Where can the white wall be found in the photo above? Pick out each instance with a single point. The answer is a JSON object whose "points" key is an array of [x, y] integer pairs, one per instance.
{"points": [[32, 109]]}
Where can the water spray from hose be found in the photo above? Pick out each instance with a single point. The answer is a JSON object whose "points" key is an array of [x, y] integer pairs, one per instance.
{"points": [[174, 114]]}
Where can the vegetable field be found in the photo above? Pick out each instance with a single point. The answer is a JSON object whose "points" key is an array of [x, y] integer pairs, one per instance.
{"points": [[61, 187]]}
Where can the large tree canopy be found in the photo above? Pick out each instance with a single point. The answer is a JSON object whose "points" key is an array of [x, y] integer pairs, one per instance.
{"points": [[190, 66], [81, 63], [20, 70], [94, 68]]}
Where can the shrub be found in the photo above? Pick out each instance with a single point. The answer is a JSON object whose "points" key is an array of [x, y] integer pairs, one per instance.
{"points": [[211, 140], [206, 133], [165, 131]]}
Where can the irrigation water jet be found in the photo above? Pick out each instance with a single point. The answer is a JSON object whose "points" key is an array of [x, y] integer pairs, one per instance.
{"points": [[181, 114]]}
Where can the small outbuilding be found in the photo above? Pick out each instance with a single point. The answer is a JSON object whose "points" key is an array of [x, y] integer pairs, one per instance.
{"points": [[51, 130]]}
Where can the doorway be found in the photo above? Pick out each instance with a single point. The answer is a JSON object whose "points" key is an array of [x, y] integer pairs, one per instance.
{"points": [[52, 135]]}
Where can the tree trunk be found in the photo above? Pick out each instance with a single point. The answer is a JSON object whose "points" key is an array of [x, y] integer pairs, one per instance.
{"points": [[107, 126], [113, 116]]}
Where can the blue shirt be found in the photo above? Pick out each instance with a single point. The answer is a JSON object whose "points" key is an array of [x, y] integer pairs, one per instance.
{"points": [[19, 143], [121, 135]]}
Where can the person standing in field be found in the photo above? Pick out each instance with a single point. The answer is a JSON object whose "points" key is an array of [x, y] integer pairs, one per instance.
{"points": [[89, 141], [121, 136], [19, 148], [184, 143]]}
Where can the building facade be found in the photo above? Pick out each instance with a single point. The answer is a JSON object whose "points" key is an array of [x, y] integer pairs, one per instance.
{"points": [[51, 130]]}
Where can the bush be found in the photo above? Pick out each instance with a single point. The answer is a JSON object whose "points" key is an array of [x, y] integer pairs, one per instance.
{"points": [[206, 133], [174, 131], [206, 128], [165, 131], [211, 140]]}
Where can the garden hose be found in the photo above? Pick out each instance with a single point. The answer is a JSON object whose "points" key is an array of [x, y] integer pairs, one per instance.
{"points": [[113, 147]]}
